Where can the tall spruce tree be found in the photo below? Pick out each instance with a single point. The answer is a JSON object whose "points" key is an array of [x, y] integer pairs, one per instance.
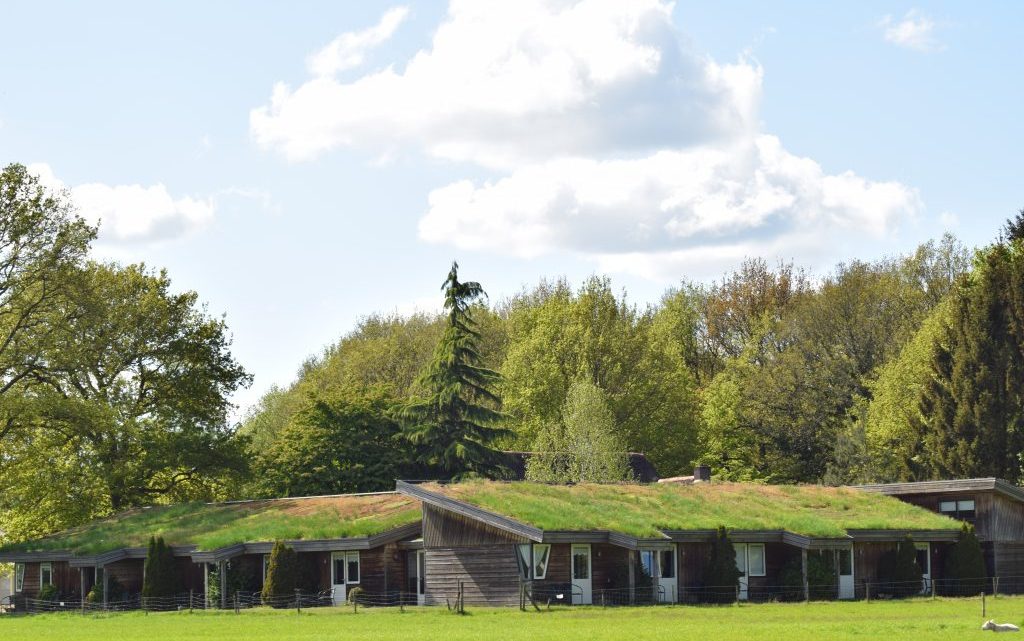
{"points": [[973, 406], [159, 583], [721, 576], [456, 424]]}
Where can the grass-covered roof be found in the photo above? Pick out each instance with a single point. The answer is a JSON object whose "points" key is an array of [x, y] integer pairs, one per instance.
{"points": [[213, 525], [645, 510]]}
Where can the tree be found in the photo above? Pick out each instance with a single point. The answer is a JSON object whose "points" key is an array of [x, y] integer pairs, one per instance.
{"points": [[159, 578], [342, 442], [584, 446], [899, 569], [965, 573], [283, 576], [721, 576], [139, 387], [972, 408], [454, 426], [42, 242]]}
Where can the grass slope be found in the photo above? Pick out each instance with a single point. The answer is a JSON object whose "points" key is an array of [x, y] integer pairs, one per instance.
{"points": [[917, 620], [214, 525], [643, 510]]}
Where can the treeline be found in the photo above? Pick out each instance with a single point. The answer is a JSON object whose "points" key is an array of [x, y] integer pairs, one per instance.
{"points": [[896, 369]]}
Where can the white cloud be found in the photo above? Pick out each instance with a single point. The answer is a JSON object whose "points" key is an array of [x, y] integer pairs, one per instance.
{"points": [[608, 138], [506, 82], [132, 213], [348, 50], [915, 31]]}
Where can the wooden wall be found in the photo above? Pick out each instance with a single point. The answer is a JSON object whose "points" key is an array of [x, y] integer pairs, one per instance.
{"points": [[996, 517], [483, 558], [128, 573]]}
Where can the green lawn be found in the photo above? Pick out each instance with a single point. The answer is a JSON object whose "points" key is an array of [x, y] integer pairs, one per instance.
{"points": [[643, 510], [891, 621], [213, 525]]}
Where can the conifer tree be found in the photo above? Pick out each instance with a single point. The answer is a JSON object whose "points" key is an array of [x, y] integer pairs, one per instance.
{"points": [[965, 570], [455, 426], [283, 576], [721, 575], [159, 582]]}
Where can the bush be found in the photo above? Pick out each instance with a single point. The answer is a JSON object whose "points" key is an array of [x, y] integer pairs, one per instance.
{"points": [[96, 593], [159, 580], [355, 595], [721, 576], [47, 592], [822, 578], [284, 575], [965, 572], [899, 570]]}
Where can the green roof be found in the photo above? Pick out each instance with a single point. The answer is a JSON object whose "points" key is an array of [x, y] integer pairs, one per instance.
{"points": [[214, 525], [645, 510]]}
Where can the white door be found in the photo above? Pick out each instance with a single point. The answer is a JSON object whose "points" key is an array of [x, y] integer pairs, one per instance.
{"points": [[582, 593], [844, 565], [741, 565], [345, 573], [924, 560], [667, 575], [421, 577]]}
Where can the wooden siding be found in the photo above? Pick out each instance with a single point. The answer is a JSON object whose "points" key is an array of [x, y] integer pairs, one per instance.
{"points": [[444, 529], [1008, 560], [128, 573], [489, 574], [988, 508]]}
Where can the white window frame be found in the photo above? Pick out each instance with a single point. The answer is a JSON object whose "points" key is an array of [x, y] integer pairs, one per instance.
{"points": [[349, 556], [533, 560], [45, 567], [661, 565], [746, 559], [19, 577]]}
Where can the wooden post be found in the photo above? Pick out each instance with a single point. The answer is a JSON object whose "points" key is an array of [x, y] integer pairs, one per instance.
{"points": [[983, 604], [206, 585], [106, 586], [81, 583], [632, 577], [867, 592], [933, 589], [190, 601], [803, 573], [236, 602], [995, 586], [298, 603], [223, 586]]}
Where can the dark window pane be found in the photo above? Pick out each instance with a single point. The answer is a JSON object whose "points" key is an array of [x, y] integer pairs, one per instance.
{"points": [[668, 564], [339, 571]]}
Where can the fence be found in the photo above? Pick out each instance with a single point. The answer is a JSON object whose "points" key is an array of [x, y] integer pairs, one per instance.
{"points": [[539, 596]]}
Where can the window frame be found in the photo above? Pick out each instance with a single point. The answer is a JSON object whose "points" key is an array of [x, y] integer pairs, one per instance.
{"points": [[764, 560], [662, 565], [958, 511], [349, 556], [533, 560], [48, 568], [19, 577]]}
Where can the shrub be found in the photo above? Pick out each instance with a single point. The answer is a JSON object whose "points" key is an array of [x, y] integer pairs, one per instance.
{"points": [[355, 595], [721, 576], [822, 579], [47, 592], [283, 576], [159, 581], [96, 593], [899, 569], [965, 571]]}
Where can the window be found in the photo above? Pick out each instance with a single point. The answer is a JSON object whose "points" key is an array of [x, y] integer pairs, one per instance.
{"points": [[580, 564], [647, 562], [533, 560], [755, 559], [338, 572], [667, 564], [353, 567], [845, 562], [962, 509], [19, 577], [266, 566], [541, 554], [45, 574], [741, 558]]}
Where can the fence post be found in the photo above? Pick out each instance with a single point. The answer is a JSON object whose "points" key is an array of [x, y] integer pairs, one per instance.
{"points": [[190, 601], [236, 602], [983, 604], [737, 601], [995, 586], [298, 606], [867, 591], [933, 589]]}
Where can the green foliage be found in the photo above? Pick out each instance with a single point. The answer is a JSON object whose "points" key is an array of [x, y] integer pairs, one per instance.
{"points": [[822, 577], [284, 576], [454, 424], [160, 577], [584, 447], [898, 570], [117, 591], [47, 592], [340, 443], [355, 595], [964, 571], [721, 572]]}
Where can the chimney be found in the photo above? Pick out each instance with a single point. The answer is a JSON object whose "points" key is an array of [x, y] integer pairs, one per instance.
{"points": [[702, 474]]}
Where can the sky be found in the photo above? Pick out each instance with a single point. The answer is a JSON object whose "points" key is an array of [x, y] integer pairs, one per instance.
{"points": [[303, 165]]}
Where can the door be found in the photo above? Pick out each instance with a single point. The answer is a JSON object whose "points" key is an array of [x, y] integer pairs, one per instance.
{"points": [[667, 575], [345, 573], [924, 560], [421, 577], [844, 566], [741, 565], [582, 593]]}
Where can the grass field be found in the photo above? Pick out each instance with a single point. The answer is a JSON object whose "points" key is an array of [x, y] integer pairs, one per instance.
{"points": [[644, 510], [891, 621]]}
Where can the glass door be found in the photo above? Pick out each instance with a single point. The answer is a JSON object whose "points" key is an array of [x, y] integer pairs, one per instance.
{"points": [[582, 586]]}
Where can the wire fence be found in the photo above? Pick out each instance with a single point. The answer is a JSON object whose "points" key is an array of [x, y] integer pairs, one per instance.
{"points": [[534, 594]]}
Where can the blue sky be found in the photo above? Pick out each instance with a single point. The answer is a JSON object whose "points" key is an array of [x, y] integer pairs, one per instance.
{"points": [[302, 166]]}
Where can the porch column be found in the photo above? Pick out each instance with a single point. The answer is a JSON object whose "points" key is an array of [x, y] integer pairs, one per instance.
{"points": [[206, 585], [81, 582], [106, 586], [803, 573], [223, 586], [632, 577]]}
